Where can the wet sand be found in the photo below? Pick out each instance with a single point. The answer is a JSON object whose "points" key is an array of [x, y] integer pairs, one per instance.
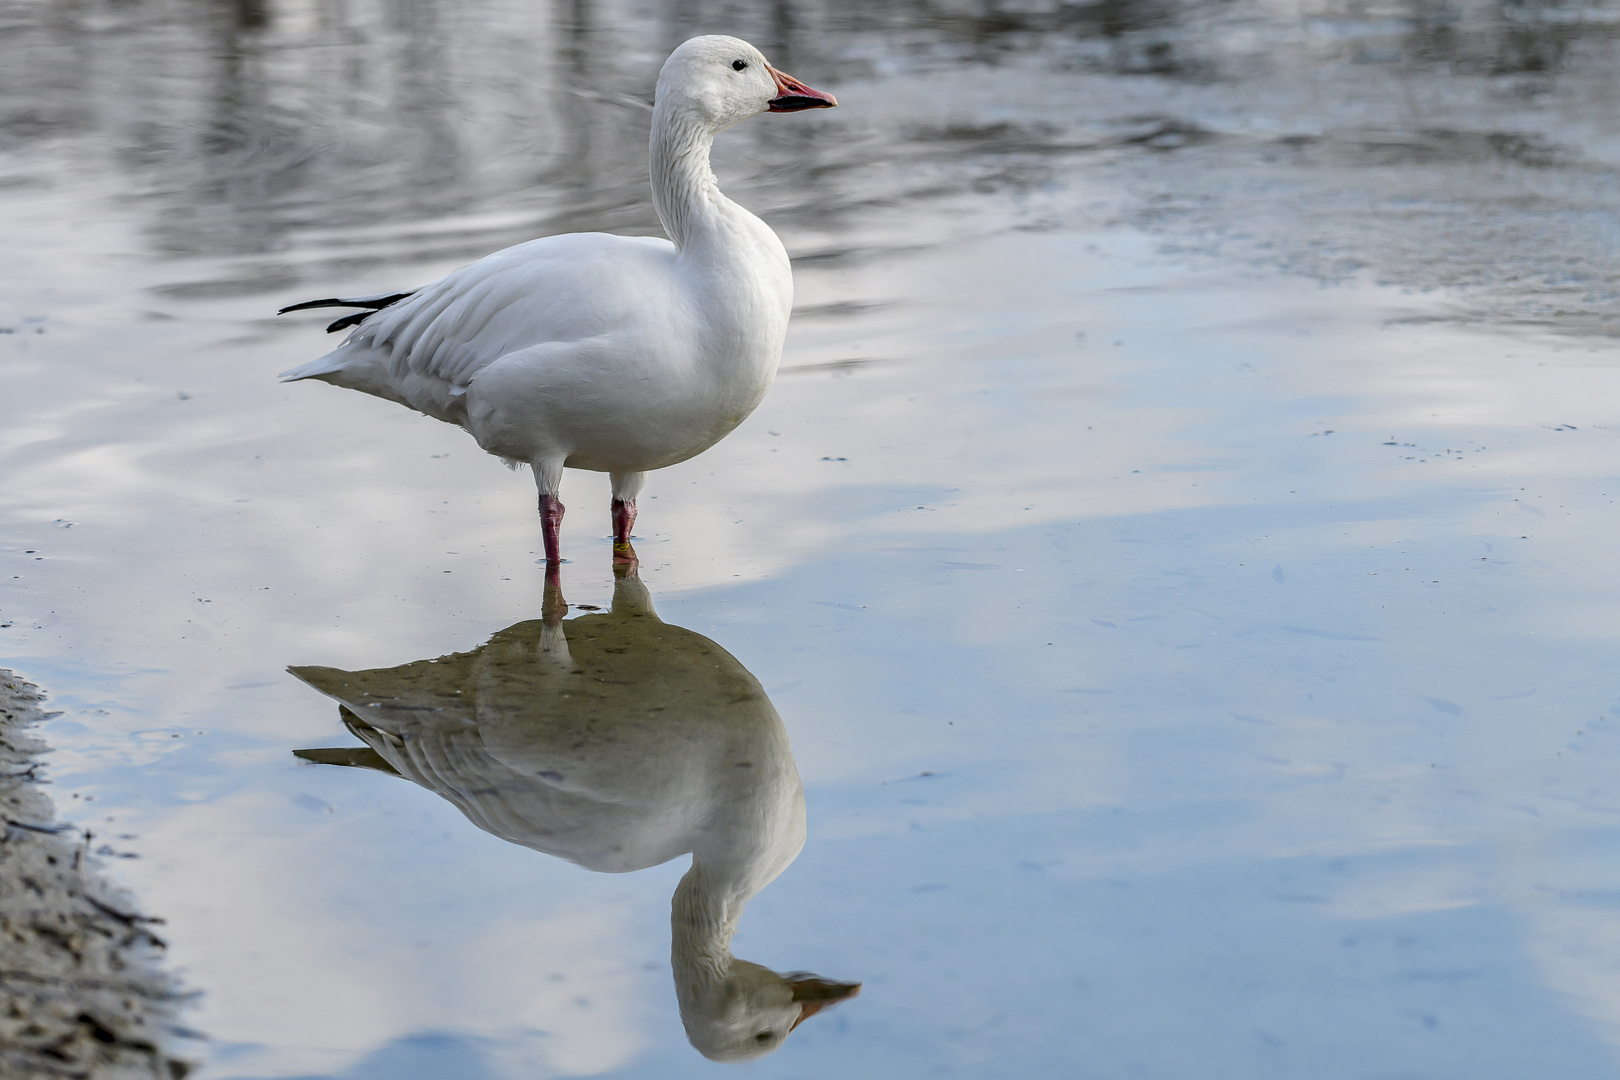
{"points": [[82, 990]]}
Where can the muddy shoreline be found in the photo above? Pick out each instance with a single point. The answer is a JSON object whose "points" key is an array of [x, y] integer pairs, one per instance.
{"points": [[82, 989]]}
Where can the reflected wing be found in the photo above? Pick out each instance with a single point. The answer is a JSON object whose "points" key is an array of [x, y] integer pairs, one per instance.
{"points": [[449, 759], [419, 722]]}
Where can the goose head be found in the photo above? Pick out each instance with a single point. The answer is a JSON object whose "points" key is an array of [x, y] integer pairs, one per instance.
{"points": [[718, 81], [750, 1011]]}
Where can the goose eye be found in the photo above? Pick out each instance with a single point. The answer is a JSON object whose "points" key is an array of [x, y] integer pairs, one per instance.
{"points": [[764, 1036], [738, 65]]}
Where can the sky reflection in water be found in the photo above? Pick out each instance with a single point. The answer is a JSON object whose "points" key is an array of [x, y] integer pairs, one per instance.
{"points": [[1178, 546]]}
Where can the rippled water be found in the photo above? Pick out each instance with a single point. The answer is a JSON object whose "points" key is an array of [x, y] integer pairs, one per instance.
{"points": [[1178, 548]]}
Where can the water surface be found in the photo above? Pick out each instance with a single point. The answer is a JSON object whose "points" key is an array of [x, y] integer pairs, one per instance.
{"points": [[1177, 547]]}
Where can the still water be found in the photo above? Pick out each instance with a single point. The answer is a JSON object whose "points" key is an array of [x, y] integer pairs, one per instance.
{"points": [[1168, 592]]}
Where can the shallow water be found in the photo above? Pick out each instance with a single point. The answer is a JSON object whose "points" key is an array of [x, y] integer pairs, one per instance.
{"points": [[1178, 546]]}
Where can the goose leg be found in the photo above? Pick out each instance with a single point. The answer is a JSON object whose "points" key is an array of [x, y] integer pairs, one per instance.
{"points": [[626, 486], [624, 519], [548, 478], [551, 515]]}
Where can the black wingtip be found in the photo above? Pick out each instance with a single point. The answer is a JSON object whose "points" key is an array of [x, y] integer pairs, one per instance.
{"points": [[349, 320], [374, 303], [334, 302]]}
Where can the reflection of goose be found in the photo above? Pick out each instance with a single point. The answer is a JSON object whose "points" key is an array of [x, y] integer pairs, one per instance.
{"points": [[611, 353], [617, 742]]}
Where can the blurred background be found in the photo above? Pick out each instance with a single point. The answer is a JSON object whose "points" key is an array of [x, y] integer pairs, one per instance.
{"points": [[1178, 544], [1454, 144]]}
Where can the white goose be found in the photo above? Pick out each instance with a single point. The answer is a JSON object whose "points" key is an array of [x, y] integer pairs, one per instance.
{"points": [[618, 742], [617, 354]]}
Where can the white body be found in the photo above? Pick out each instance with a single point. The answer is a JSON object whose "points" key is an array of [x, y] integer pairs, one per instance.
{"points": [[593, 351]]}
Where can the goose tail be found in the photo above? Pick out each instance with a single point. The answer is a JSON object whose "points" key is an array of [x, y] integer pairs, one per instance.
{"points": [[324, 366], [335, 361]]}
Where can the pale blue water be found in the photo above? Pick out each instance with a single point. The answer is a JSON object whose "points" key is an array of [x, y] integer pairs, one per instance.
{"points": [[1179, 545]]}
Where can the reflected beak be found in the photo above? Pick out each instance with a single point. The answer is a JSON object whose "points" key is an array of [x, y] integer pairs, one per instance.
{"points": [[792, 95], [814, 993]]}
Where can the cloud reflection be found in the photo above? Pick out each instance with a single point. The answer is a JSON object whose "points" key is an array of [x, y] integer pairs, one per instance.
{"points": [[617, 742]]}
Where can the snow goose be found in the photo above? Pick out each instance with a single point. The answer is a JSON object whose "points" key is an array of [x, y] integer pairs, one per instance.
{"points": [[618, 742], [617, 354]]}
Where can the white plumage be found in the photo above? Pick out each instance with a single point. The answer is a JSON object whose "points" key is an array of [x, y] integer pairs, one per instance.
{"points": [[592, 351]]}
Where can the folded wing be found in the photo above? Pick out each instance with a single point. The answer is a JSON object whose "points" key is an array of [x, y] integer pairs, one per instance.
{"points": [[555, 289]]}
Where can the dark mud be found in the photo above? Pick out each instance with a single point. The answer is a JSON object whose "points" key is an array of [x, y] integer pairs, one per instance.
{"points": [[82, 990]]}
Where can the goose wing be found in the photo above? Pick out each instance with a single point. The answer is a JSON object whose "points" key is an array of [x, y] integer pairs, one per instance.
{"points": [[423, 722], [555, 289]]}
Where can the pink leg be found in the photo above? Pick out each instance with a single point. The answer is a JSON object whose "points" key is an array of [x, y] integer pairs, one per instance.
{"points": [[624, 519], [551, 515]]}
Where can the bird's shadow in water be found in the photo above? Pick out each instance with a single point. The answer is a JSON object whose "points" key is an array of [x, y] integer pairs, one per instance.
{"points": [[618, 742]]}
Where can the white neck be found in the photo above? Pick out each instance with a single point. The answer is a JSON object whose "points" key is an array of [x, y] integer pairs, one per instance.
{"points": [[733, 258], [684, 190]]}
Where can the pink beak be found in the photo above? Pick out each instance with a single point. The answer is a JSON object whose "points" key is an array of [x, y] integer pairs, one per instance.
{"points": [[792, 95]]}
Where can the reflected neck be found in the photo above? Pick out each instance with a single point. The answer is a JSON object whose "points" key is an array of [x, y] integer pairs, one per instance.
{"points": [[703, 918]]}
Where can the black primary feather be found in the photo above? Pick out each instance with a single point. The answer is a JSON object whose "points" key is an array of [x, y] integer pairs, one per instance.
{"points": [[373, 304], [349, 320]]}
